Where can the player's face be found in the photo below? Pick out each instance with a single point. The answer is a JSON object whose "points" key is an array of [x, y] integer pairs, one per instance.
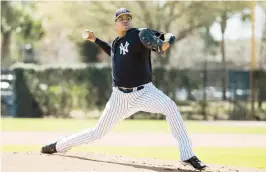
{"points": [[123, 23]]}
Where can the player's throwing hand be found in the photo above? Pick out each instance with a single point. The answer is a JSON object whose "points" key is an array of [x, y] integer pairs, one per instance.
{"points": [[88, 35]]}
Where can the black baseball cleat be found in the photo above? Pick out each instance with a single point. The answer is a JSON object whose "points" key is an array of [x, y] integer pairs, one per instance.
{"points": [[195, 162], [49, 149]]}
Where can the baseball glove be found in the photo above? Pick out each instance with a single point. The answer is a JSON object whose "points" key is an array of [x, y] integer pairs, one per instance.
{"points": [[150, 40]]}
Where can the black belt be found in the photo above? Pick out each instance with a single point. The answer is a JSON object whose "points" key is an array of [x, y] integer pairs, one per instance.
{"points": [[129, 90]]}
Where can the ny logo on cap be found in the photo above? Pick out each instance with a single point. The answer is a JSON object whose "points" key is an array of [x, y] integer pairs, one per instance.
{"points": [[124, 11], [124, 49]]}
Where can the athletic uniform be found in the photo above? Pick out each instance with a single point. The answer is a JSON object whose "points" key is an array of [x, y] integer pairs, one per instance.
{"points": [[132, 91]]}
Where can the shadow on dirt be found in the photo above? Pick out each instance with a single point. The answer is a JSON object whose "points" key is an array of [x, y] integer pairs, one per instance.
{"points": [[156, 169]]}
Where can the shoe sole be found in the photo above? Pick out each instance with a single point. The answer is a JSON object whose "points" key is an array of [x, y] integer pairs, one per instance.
{"points": [[188, 164], [46, 150]]}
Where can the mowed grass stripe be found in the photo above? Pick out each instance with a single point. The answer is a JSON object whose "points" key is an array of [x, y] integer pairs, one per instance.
{"points": [[73, 125]]}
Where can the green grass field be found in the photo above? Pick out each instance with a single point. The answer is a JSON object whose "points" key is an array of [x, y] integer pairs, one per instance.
{"points": [[244, 157], [11, 124]]}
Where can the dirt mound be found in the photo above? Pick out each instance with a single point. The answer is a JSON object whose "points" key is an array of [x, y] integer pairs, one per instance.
{"points": [[81, 162]]}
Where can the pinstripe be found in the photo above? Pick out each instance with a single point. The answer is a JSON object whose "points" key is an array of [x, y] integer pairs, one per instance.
{"points": [[123, 105], [140, 103], [181, 131], [150, 98], [137, 102], [165, 104], [104, 124], [157, 102], [87, 135], [172, 121], [112, 114], [79, 137], [175, 128]]}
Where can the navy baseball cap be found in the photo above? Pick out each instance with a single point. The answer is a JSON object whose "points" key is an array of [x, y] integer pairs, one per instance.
{"points": [[122, 11]]}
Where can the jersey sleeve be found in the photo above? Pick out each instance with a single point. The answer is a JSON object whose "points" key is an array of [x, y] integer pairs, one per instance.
{"points": [[103, 45]]}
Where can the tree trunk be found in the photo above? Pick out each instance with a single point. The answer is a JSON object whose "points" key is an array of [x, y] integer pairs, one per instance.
{"points": [[5, 45], [224, 83], [262, 85], [204, 105]]}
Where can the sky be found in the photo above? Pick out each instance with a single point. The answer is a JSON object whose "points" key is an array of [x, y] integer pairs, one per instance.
{"points": [[236, 29]]}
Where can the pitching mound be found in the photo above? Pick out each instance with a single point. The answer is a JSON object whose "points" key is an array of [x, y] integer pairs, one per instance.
{"points": [[87, 162]]}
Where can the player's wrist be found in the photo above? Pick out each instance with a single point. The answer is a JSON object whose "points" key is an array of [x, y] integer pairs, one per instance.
{"points": [[165, 46], [96, 40]]}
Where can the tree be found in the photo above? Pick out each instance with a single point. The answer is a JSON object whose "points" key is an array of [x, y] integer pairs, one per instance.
{"points": [[89, 52], [220, 12], [8, 23], [176, 17], [262, 83], [19, 18], [181, 18], [263, 39]]}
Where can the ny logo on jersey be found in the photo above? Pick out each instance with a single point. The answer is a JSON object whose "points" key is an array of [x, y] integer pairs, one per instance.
{"points": [[124, 49]]}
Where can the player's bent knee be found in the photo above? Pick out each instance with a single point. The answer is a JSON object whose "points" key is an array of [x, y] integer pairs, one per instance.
{"points": [[171, 107], [98, 134], [171, 104]]}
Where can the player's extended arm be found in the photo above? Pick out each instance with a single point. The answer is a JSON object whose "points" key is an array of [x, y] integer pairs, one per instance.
{"points": [[103, 45], [89, 35], [156, 41]]}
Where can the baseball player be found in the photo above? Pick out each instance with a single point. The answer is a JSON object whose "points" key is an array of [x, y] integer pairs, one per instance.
{"points": [[132, 89]]}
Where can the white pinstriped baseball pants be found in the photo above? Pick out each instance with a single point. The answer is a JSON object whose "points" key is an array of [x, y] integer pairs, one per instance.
{"points": [[123, 105]]}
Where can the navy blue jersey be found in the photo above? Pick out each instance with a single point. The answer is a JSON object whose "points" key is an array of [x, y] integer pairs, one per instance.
{"points": [[131, 61]]}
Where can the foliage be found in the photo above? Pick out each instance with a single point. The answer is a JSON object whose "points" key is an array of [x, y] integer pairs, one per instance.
{"points": [[58, 90], [84, 87], [179, 18], [98, 16], [89, 52], [210, 44], [19, 18]]}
